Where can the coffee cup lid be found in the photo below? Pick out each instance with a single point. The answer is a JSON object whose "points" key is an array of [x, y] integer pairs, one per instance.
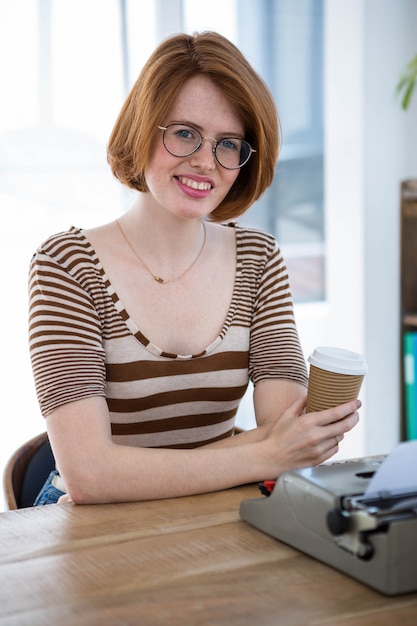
{"points": [[338, 360]]}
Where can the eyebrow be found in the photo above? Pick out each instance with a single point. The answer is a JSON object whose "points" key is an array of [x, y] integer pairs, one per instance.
{"points": [[200, 129]]}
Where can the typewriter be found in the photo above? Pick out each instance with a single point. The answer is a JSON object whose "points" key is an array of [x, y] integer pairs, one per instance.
{"points": [[339, 514]]}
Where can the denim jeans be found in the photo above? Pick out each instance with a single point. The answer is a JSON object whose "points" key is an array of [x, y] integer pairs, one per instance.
{"points": [[48, 494]]}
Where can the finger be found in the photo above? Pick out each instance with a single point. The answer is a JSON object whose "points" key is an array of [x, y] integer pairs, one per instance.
{"points": [[338, 429], [333, 443], [327, 449], [64, 499], [337, 413]]}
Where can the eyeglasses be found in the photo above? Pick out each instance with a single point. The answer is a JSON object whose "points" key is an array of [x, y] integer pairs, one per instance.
{"points": [[181, 140]]}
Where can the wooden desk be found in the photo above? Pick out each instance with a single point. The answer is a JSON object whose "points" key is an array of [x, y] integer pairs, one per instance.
{"points": [[186, 562]]}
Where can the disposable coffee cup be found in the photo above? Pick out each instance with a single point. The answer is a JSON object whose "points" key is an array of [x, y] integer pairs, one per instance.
{"points": [[335, 377]]}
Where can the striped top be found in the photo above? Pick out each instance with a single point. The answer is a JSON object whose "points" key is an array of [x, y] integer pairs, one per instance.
{"points": [[83, 343]]}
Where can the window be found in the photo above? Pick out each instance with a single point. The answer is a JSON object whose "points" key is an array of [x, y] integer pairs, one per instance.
{"points": [[68, 78], [56, 117], [283, 40]]}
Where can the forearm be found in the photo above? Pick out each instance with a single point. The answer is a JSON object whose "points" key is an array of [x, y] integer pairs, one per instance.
{"points": [[96, 469], [243, 437], [134, 474]]}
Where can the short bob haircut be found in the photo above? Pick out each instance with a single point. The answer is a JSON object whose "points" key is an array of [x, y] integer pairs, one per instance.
{"points": [[175, 61]]}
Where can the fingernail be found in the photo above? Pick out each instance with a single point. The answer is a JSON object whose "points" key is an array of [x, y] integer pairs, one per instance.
{"points": [[358, 404]]}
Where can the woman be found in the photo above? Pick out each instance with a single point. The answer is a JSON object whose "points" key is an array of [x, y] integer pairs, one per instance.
{"points": [[144, 332]]}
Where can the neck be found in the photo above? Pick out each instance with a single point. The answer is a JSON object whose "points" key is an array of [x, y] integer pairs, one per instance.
{"points": [[166, 252], [161, 233]]}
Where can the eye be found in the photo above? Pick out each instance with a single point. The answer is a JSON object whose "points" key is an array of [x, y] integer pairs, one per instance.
{"points": [[186, 133], [230, 143]]}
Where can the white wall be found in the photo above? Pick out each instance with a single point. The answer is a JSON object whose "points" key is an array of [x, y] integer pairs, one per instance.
{"points": [[344, 204], [370, 147], [390, 155]]}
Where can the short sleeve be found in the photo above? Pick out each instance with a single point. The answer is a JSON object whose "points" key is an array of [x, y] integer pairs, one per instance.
{"points": [[64, 334], [275, 350]]}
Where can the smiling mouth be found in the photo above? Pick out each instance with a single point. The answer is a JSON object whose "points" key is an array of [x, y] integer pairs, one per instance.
{"points": [[188, 182]]}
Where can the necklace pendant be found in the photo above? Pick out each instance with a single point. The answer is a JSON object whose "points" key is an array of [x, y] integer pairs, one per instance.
{"points": [[158, 279]]}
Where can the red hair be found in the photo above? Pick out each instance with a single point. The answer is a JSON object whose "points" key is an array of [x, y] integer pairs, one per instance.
{"points": [[175, 61]]}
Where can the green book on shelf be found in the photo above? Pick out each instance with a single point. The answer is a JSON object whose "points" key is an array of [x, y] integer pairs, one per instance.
{"points": [[410, 383]]}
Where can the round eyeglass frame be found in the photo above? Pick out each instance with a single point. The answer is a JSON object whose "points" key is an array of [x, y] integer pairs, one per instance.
{"points": [[214, 149]]}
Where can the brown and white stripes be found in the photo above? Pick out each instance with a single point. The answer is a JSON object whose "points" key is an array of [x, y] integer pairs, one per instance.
{"points": [[83, 343]]}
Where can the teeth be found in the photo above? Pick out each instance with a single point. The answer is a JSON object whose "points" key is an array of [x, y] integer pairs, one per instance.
{"points": [[195, 185]]}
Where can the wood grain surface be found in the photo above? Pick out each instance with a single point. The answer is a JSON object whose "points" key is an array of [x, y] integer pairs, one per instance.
{"points": [[186, 561]]}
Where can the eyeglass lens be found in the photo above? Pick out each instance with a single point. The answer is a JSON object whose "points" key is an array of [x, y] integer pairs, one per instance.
{"points": [[182, 141]]}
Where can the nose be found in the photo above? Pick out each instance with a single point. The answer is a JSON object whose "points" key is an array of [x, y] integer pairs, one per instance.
{"points": [[204, 157]]}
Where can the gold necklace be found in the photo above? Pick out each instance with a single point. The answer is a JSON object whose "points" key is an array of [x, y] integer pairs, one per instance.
{"points": [[158, 279]]}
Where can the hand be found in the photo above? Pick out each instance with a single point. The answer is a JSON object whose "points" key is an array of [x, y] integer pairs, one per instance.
{"points": [[65, 499], [299, 439]]}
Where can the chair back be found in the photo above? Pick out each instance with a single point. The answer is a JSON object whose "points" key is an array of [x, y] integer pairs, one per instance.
{"points": [[26, 472]]}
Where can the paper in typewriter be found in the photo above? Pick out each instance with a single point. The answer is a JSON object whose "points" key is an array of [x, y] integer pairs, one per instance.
{"points": [[397, 474]]}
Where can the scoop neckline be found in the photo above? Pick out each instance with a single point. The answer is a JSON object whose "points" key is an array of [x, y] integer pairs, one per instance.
{"points": [[133, 328]]}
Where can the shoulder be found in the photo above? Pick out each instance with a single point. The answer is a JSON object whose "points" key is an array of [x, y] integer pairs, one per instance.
{"points": [[257, 248], [67, 247], [61, 244], [69, 250], [260, 240]]}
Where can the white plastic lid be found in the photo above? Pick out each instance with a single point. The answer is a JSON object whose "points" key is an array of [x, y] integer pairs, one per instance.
{"points": [[338, 360]]}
